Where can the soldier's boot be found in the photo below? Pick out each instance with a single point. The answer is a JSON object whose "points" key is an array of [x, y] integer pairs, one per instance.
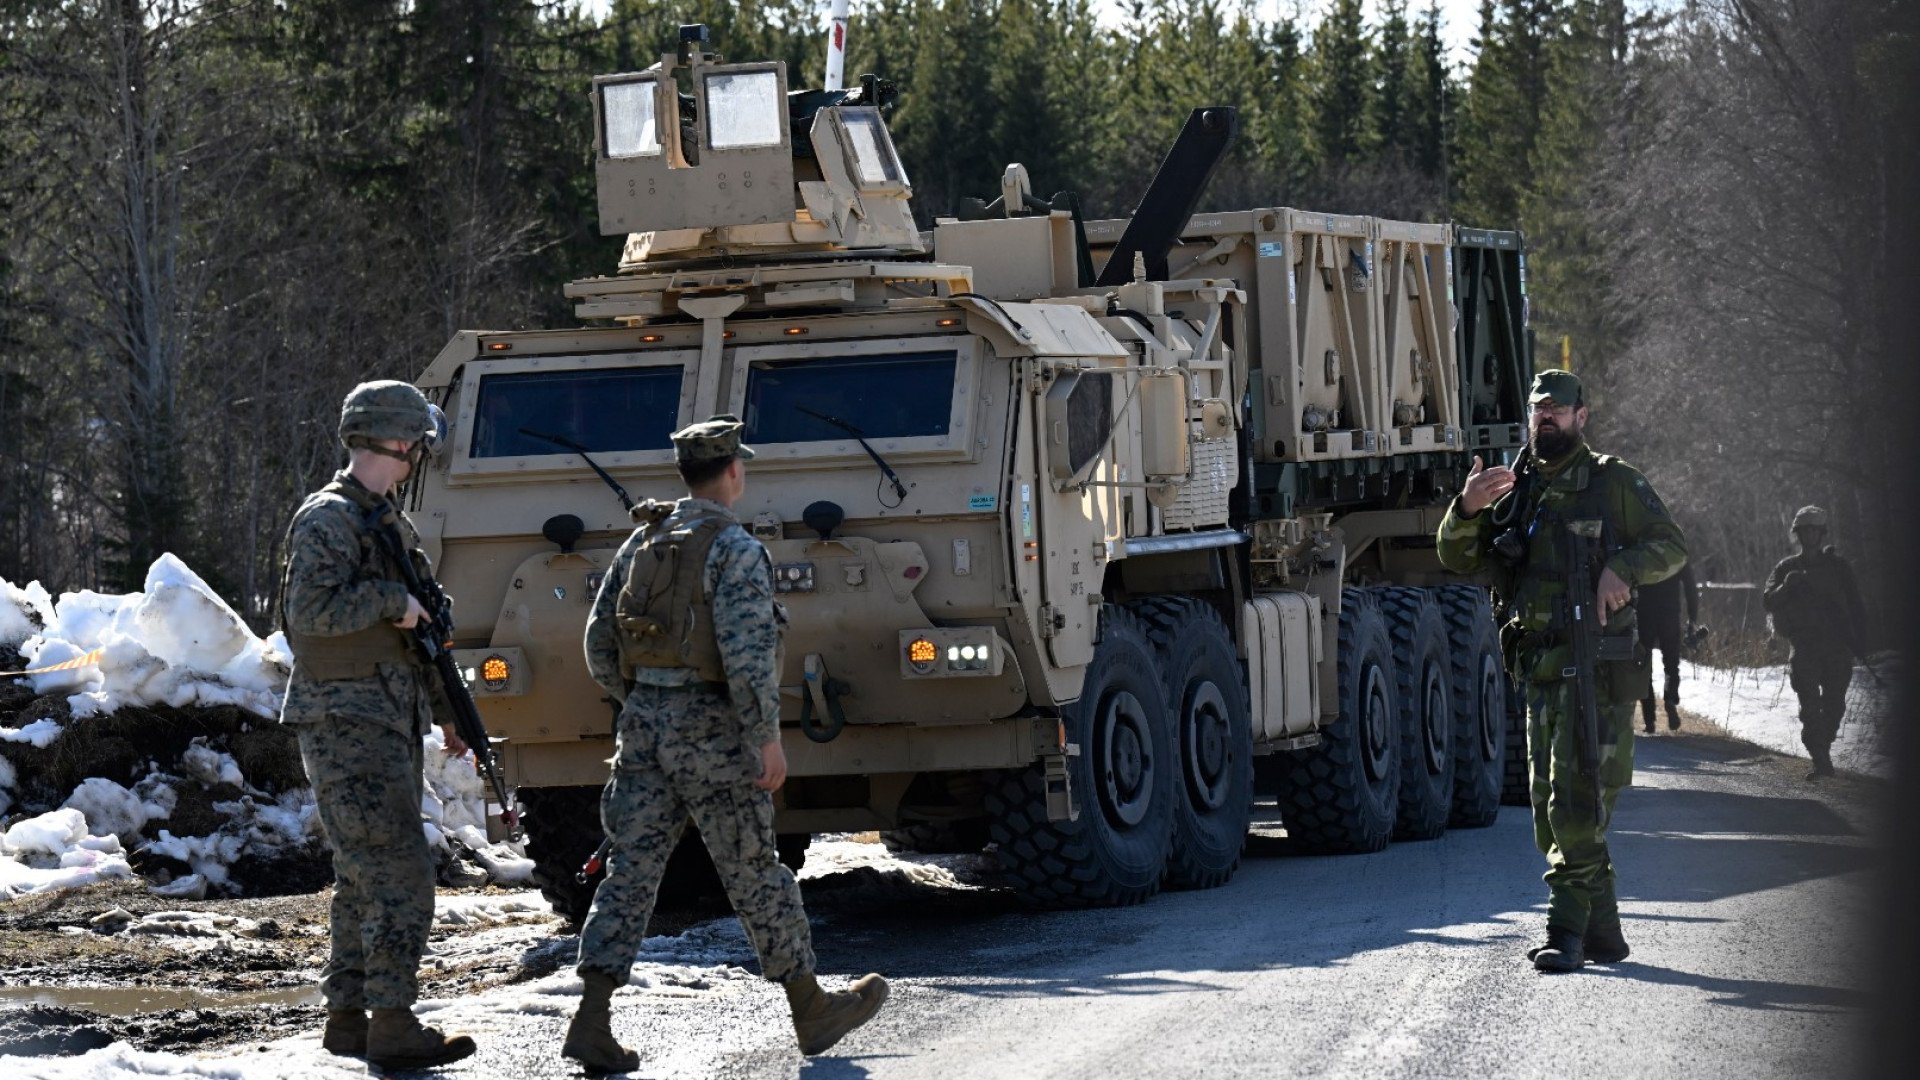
{"points": [[1646, 714], [1822, 763], [820, 1018], [1604, 942], [397, 1040], [345, 1033], [590, 1038], [1563, 951], [1673, 717]]}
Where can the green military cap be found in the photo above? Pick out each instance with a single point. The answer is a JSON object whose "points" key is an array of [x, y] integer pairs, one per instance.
{"points": [[1810, 516], [1562, 386], [711, 439]]}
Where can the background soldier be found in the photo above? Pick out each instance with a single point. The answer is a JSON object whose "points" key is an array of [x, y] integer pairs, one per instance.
{"points": [[1816, 606], [361, 698], [1563, 489], [685, 631], [1659, 620]]}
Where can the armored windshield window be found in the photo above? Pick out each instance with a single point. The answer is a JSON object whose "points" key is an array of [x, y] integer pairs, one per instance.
{"points": [[1089, 421], [606, 411], [743, 109], [874, 159], [900, 396], [631, 128]]}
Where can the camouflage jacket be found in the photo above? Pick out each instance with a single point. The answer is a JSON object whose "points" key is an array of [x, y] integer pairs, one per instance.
{"points": [[747, 624], [1643, 543], [1815, 603], [338, 584]]}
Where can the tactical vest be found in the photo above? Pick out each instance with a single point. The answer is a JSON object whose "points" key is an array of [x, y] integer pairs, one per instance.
{"points": [[1534, 647], [664, 613], [325, 658]]}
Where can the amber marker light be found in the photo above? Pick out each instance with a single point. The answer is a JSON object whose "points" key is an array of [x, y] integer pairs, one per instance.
{"points": [[652, 338], [948, 322], [794, 331], [921, 651], [495, 671], [499, 346]]}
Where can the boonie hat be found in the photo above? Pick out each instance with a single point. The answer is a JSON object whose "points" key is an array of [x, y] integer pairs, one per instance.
{"points": [[711, 439], [1562, 386]]}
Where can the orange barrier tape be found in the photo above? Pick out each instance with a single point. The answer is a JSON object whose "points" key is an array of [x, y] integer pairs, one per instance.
{"points": [[88, 660]]}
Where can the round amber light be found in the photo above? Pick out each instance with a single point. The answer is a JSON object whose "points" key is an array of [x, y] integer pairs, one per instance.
{"points": [[921, 651], [494, 671]]}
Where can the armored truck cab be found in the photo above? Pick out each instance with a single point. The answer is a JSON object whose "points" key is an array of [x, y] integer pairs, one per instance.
{"points": [[1061, 560]]}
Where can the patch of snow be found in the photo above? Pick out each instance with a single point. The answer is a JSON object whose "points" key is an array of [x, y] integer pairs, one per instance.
{"points": [[7, 779], [1758, 705], [110, 809], [22, 611], [210, 766], [40, 733], [54, 851]]}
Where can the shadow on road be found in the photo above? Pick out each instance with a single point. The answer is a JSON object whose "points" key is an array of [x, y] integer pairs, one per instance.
{"points": [[1743, 993]]}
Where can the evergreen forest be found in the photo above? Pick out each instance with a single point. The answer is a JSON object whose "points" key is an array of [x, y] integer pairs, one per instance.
{"points": [[216, 216]]}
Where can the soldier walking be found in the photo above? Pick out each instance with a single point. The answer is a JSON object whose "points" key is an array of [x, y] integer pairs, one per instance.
{"points": [[361, 698], [686, 632], [1659, 619], [1816, 606], [1561, 490]]}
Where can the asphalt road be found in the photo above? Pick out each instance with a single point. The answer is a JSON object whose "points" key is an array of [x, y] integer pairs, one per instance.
{"points": [[1743, 887]]}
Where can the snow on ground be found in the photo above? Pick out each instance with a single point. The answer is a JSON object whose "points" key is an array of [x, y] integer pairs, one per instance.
{"points": [[177, 643], [1759, 706]]}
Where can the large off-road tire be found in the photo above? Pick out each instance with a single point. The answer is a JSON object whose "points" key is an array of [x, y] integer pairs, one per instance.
{"points": [[1206, 697], [1516, 786], [563, 828], [1423, 683], [1479, 689], [966, 836], [1343, 795], [1115, 851]]}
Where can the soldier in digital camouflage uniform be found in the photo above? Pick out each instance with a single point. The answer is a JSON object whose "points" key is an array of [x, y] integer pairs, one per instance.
{"points": [[361, 699], [1816, 606], [685, 632], [1522, 542]]}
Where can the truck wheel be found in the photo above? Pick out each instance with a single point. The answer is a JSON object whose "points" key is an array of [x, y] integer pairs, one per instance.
{"points": [[563, 828], [1479, 690], [1423, 676], [1342, 795], [966, 836], [1206, 697], [1516, 787], [1115, 851]]}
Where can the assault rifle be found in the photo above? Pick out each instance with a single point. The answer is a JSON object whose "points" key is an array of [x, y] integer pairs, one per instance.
{"points": [[1579, 614], [433, 636]]}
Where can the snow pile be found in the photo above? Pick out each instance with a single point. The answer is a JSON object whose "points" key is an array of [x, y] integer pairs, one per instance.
{"points": [[174, 643], [178, 644], [22, 611], [1759, 706], [55, 851]]}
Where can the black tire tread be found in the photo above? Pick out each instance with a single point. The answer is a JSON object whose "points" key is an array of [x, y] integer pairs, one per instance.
{"points": [[1477, 784], [1425, 804]]}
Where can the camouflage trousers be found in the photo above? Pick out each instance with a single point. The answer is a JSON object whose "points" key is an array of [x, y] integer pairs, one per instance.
{"points": [[680, 756], [1820, 679], [1580, 879], [366, 780]]}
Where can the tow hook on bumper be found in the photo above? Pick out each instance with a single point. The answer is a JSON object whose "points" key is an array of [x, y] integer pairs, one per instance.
{"points": [[822, 699]]}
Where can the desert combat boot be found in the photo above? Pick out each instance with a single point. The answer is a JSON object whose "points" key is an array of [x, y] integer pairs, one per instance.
{"points": [[345, 1033], [821, 1018], [397, 1040], [590, 1038]]}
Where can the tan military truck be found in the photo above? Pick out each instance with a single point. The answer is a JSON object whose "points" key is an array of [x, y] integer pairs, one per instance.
{"points": [[1077, 563]]}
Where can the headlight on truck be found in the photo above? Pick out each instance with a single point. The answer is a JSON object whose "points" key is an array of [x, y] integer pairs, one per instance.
{"points": [[951, 651]]}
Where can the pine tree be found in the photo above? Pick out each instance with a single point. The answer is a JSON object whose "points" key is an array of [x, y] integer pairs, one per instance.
{"points": [[1342, 84]]}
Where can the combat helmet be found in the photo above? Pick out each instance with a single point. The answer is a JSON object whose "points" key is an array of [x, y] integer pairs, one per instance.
{"points": [[1809, 517], [390, 409]]}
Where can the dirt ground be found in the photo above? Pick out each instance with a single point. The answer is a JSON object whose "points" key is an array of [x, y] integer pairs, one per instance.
{"points": [[83, 968]]}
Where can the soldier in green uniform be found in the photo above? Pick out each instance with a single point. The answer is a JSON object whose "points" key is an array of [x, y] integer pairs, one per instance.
{"points": [[686, 633], [1816, 606], [1518, 526], [361, 698]]}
